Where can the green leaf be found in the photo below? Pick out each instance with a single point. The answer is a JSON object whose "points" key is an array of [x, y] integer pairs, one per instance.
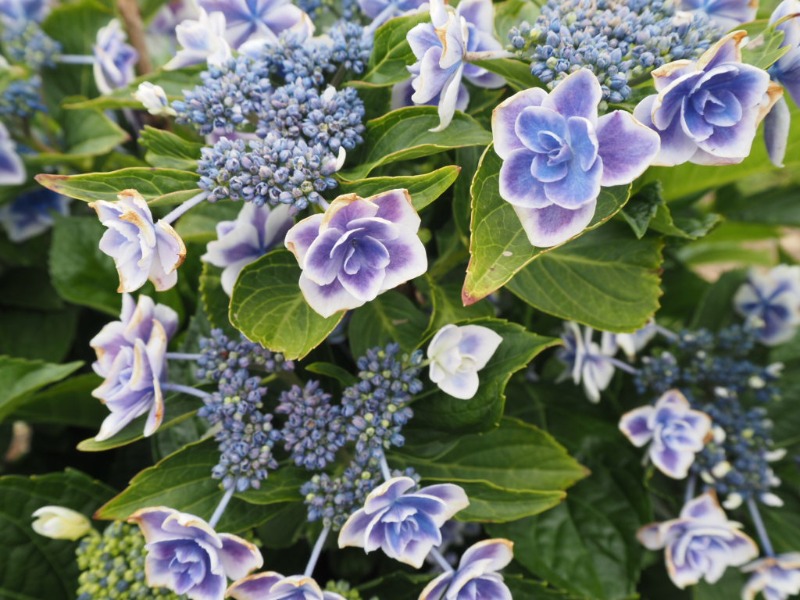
{"points": [[647, 209], [80, 272], [69, 402], [510, 13], [151, 183], [33, 567], [183, 481], [391, 53], [515, 456], [405, 133], [485, 409], [343, 376], [530, 590], [176, 410], [714, 309], [281, 486], [587, 546], [515, 72], [34, 334], [170, 151], [607, 279], [492, 504], [764, 48], [268, 307], [447, 307], [19, 378], [772, 207], [730, 586], [498, 245], [173, 82], [216, 302], [424, 189], [391, 317]]}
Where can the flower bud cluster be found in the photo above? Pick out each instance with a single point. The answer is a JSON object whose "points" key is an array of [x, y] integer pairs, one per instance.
{"points": [[618, 40], [279, 92], [21, 99], [245, 433], [112, 566], [26, 44], [373, 412], [715, 374]]}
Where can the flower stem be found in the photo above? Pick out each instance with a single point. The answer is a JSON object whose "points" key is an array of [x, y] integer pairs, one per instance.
{"points": [[766, 545], [672, 337], [387, 474], [186, 206], [441, 560], [185, 389], [75, 59], [132, 17], [223, 504], [183, 356], [487, 55], [622, 366], [690, 488], [312, 561]]}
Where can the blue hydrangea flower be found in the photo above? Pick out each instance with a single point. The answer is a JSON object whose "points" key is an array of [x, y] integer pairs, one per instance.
{"points": [[357, 250], [707, 112], [259, 19], [136, 322], [674, 431], [404, 525], [24, 10], [476, 575], [202, 40], [274, 586], [186, 555], [700, 544], [32, 213], [12, 169], [141, 249], [726, 14], [772, 300], [114, 59], [21, 99], [256, 230], [26, 44], [786, 71], [457, 354], [381, 11], [587, 362], [776, 577], [441, 49], [557, 154]]}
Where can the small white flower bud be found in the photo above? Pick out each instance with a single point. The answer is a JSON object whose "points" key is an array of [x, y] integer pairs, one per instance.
{"points": [[154, 99], [60, 523]]}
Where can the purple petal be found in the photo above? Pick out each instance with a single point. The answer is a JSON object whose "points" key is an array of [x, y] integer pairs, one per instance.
{"points": [[436, 589], [776, 131], [676, 147], [635, 425], [452, 495], [626, 147], [408, 260], [578, 95], [705, 507], [518, 186], [387, 493], [354, 531], [583, 141], [497, 554], [327, 299], [670, 461], [300, 237], [364, 285], [726, 50], [536, 127], [431, 80], [254, 587], [151, 520], [478, 343], [346, 209], [238, 556], [421, 38], [553, 225], [577, 188], [396, 207], [504, 120], [669, 73], [322, 264], [654, 535]]}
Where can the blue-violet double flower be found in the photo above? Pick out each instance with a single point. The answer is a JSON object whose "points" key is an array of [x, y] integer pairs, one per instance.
{"points": [[441, 48], [674, 431], [727, 14], [274, 586], [776, 577], [381, 11], [771, 300], [32, 213], [131, 357], [700, 544], [251, 20], [114, 59], [358, 249], [256, 230], [707, 112], [202, 40], [585, 360], [476, 576], [557, 154], [141, 249], [186, 555], [405, 525], [12, 169]]}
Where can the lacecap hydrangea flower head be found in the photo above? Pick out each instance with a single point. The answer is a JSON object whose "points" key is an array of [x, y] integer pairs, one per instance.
{"points": [[707, 111], [274, 586], [476, 576], [771, 300], [358, 249], [775, 577], [557, 154], [700, 544]]}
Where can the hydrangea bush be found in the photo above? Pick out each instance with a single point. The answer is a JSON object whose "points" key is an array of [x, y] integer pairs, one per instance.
{"points": [[377, 299]]}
